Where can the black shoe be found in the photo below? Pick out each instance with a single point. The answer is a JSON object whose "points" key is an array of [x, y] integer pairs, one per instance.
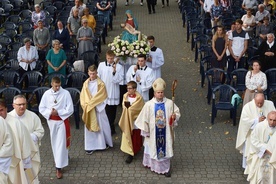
{"points": [[90, 152], [168, 174], [149, 12], [129, 159], [153, 11]]}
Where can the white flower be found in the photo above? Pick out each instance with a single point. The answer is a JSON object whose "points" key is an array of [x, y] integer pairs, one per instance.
{"points": [[135, 55], [137, 47], [118, 50], [113, 48], [122, 53], [127, 52], [123, 48], [117, 54], [142, 50]]}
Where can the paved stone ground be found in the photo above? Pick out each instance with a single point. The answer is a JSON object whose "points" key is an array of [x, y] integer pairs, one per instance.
{"points": [[204, 154]]}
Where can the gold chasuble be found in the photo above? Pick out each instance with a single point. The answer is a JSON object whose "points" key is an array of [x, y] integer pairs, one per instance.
{"points": [[126, 122], [89, 102]]}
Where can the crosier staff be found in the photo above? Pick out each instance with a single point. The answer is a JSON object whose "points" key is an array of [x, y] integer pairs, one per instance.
{"points": [[172, 118]]}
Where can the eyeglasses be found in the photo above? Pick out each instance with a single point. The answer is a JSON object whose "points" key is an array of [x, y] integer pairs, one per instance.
{"points": [[23, 104], [129, 88]]}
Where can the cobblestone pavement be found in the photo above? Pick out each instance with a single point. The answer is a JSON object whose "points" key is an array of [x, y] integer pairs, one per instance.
{"points": [[204, 154]]}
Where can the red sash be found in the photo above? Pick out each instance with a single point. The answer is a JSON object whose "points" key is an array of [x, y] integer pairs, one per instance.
{"points": [[67, 129]]}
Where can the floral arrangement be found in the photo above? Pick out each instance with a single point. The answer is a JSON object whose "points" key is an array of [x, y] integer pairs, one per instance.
{"points": [[124, 49]]}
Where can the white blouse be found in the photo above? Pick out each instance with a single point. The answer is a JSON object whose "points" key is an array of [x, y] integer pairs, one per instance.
{"points": [[252, 81], [29, 55]]}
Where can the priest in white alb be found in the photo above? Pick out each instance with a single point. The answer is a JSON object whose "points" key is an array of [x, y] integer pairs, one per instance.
{"points": [[24, 168], [97, 132], [56, 106], [253, 112], [261, 163], [32, 123], [158, 130], [142, 75], [6, 150]]}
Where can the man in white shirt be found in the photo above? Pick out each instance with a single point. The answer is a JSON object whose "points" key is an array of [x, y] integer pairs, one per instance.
{"points": [[142, 75], [238, 43]]}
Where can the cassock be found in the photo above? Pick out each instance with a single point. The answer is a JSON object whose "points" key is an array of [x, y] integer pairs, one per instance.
{"points": [[59, 125], [249, 118], [24, 154], [259, 167], [6, 150], [111, 80], [97, 132], [157, 61], [131, 138], [153, 121], [147, 78]]}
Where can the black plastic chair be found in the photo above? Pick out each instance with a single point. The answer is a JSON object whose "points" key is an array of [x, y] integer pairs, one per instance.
{"points": [[75, 95], [8, 8], [25, 26], [15, 46], [76, 79], [17, 6], [59, 5], [14, 18], [9, 25], [12, 33], [34, 80], [205, 65], [49, 76], [10, 78], [52, 10], [25, 14], [222, 96], [200, 41], [271, 81], [11, 54], [12, 64], [238, 79], [5, 41], [35, 98], [90, 57], [8, 93], [216, 77]]}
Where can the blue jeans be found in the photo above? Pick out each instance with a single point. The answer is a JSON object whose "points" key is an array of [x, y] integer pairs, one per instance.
{"points": [[106, 16]]}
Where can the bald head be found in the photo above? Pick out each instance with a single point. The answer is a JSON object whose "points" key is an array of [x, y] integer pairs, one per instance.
{"points": [[259, 99], [271, 118]]}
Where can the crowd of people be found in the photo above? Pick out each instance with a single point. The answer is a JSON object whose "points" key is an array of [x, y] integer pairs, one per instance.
{"points": [[230, 51], [147, 115]]}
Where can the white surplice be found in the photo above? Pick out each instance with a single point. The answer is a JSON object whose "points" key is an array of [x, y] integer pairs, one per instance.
{"points": [[24, 152], [6, 149], [111, 81], [147, 78], [156, 63], [65, 108], [259, 169], [249, 119], [146, 121], [98, 140]]}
